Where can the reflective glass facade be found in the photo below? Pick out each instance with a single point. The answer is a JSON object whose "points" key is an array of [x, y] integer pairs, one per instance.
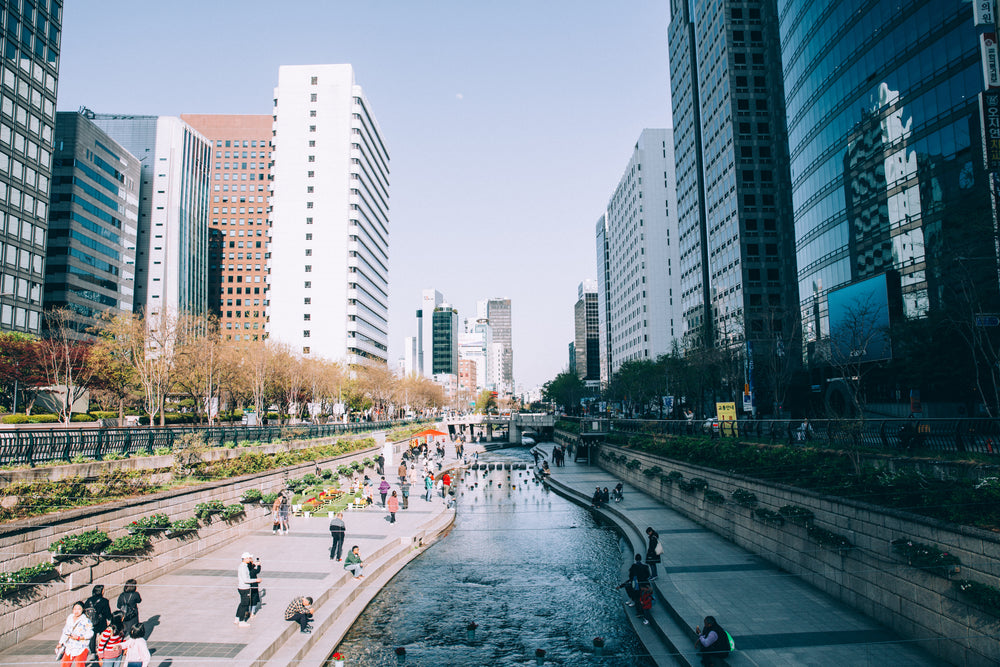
{"points": [[29, 41], [886, 156]]}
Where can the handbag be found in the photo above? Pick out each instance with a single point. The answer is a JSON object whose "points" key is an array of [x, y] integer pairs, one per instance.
{"points": [[658, 549]]}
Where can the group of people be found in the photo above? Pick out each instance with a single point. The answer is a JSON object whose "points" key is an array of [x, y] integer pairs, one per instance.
{"points": [[93, 634], [280, 511], [558, 456]]}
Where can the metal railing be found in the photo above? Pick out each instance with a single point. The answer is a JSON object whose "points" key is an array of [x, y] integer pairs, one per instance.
{"points": [[44, 445], [894, 435]]}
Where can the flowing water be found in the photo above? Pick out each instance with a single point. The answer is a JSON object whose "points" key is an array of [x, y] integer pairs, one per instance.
{"points": [[530, 568]]}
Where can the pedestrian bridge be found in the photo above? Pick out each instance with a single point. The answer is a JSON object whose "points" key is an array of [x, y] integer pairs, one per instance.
{"points": [[510, 427]]}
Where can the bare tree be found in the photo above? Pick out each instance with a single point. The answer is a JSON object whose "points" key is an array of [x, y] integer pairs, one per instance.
{"points": [[64, 360], [113, 359]]}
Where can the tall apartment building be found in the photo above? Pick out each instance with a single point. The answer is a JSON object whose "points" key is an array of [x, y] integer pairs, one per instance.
{"points": [[586, 343], [30, 45], [735, 217], [444, 349], [93, 219], [887, 159], [329, 268], [603, 307], [409, 364], [500, 351], [638, 257], [473, 344], [429, 300], [171, 263], [239, 228], [467, 379]]}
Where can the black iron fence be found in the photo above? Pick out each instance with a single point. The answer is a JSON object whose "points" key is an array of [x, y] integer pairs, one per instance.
{"points": [[32, 446], [895, 435]]}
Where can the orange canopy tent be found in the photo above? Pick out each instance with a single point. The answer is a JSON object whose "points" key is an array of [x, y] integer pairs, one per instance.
{"points": [[429, 433]]}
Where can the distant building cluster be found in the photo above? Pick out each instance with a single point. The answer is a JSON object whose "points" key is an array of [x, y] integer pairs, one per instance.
{"points": [[235, 216]]}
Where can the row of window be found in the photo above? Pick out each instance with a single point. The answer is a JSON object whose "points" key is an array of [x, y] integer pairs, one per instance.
{"points": [[18, 318], [237, 143]]}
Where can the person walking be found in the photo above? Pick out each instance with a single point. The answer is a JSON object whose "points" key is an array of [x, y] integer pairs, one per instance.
{"points": [[136, 651], [393, 505], [383, 490], [254, 567], [645, 602], [128, 603], [446, 480], [354, 563], [404, 490], [653, 551], [380, 464], [284, 509], [429, 486], [276, 514], [338, 529], [300, 611], [74, 643], [713, 642], [98, 610], [243, 588], [402, 471], [109, 645]]}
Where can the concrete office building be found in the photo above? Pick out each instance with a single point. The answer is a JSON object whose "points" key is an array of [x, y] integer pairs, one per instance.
{"points": [[572, 358], [409, 363], [586, 344], [639, 257], [171, 263], [887, 156], [445, 340], [329, 267], [603, 306], [467, 380], [737, 258], [500, 350], [239, 226], [472, 345], [30, 46], [429, 300], [93, 218]]}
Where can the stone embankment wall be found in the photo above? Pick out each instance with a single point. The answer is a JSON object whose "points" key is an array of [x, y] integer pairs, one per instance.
{"points": [[25, 542], [920, 606]]}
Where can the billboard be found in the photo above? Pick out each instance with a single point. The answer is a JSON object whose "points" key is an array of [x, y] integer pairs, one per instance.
{"points": [[859, 321]]}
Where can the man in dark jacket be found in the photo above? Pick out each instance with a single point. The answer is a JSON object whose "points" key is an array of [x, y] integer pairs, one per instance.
{"points": [[101, 614], [337, 531], [638, 574]]}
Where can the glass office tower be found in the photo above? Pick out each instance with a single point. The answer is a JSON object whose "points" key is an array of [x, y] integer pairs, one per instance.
{"points": [[885, 153]]}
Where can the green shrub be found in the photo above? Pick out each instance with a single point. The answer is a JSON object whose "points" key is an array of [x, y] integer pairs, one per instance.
{"points": [[675, 475], [745, 498], [79, 544], [143, 452], [150, 524], [163, 451], [344, 470], [43, 419], [82, 417], [310, 479], [368, 463], [207, 509], [104, 414], [797, 515], [114, 456], [232, 511], [269, 498], [685, 486], [634, 464], [767, 516], [182, 526], [19, 581], [715, 497], [828, 538], [983, 595], [14, 419], [652, 472], [358, 466], [925, 556], [251, 496], [80, 458], [699, 483], [128, 544], [326, 473]]}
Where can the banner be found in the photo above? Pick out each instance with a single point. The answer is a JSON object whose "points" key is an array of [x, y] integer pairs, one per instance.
{"points": [[991, 59], [989, 107], [984, 12]]}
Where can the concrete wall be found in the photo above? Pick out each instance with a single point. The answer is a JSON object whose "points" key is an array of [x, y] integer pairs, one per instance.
{"points": [[869, 578], [25, 542]]}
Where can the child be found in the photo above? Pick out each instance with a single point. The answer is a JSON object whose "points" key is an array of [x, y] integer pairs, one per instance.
{"points": [[645, 602]]}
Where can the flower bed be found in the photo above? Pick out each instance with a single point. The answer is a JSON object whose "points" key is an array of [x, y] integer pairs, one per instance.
{"points": [[797, 515], [232, 511], [251, 496], [207, 509], [745, 498], [20, 581], [986, 597], [127, 545], [828, 538], [154, 523], [926, 557], [183, 527], [715, 497], [80, 544], [768, 517]]}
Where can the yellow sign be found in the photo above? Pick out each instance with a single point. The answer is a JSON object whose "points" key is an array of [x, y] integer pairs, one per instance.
{"points": [[726, 412]]}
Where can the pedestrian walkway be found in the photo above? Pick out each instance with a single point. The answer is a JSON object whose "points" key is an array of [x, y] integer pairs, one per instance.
{"points": [[775, 618], [189, 613]]}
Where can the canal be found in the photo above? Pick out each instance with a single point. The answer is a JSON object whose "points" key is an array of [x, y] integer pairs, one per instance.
{"points": [[531, 569]]}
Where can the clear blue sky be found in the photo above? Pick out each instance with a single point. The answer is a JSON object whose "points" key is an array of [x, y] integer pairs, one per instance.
{"points": [[509, 123]]}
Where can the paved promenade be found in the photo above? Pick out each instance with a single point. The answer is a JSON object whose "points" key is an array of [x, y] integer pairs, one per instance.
{"points": [[775, 618], [189, 613]]}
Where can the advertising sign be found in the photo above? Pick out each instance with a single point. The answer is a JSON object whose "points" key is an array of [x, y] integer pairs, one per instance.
{"points": [[989, 107], [726, 412], [984, 12], [991, 59]]}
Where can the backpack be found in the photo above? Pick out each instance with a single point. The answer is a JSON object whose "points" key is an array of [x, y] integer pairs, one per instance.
{"points": [[646, 599]]}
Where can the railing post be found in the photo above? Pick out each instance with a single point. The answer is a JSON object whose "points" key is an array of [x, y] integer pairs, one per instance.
{"points": [[66, 456]]}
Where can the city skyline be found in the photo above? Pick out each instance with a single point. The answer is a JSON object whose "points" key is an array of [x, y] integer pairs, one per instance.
{"points": [[464, 147]]}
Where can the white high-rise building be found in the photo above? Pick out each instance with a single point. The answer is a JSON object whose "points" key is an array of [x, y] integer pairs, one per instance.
{"points": [[637, 257], [171, 254], [409, 366], [472, 345], [429, 300], [329, 266]]}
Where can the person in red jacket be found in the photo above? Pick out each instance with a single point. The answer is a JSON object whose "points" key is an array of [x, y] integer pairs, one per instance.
{"points": [[393, 505]]}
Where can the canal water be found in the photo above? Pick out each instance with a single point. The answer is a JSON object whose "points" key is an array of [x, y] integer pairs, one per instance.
{"points": [[531, 569]]}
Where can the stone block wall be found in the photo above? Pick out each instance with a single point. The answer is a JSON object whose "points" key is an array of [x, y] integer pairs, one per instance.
{"points": [[920, 606], [25, 542]]}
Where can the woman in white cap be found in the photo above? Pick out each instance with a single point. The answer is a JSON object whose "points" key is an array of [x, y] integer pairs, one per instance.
{"points": [[243, 580]]}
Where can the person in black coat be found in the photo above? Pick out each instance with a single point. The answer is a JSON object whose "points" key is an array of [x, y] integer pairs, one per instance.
{"points": [[128, 603], [638, 575], [101, 614], [652, 558]]}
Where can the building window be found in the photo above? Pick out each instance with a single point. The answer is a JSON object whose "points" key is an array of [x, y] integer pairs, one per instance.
{"points": [[312, 128], [310, 174], [309, 237], [313, 97], [309, 189], [309, 252], [306, 316], [305, 333], [313, 80], [305, 350], [312, 113], [311, 158], [309, 221], [309, 268], [307, 301], [308, 284], [309, 204]]}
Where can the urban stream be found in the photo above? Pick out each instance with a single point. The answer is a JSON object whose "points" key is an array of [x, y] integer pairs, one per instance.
{"points": [[531, 569]]}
